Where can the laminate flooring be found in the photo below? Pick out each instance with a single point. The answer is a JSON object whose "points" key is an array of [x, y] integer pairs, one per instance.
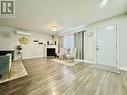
{"points": [[46, 77]]}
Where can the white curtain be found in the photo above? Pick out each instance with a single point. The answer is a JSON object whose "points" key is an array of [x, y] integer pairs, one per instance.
{"points": [[73, 41], [60, 43], [79, 44], [68, 41]]}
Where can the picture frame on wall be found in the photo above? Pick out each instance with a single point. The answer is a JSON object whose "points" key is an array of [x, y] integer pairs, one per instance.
{"points": [[47, 42]]}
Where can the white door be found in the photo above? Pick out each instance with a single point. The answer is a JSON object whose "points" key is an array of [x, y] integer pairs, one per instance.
{"points": [[106, 47]]}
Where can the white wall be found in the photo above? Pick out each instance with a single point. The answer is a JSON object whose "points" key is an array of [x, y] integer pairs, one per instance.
{"points": [[30, 50], [121, 22]]}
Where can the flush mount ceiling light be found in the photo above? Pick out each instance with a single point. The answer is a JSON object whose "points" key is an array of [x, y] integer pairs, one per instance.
{"points": [[54, 28], [104, 2]]}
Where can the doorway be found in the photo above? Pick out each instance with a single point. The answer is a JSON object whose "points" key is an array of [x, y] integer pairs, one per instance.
{"points": [[106, 48]]}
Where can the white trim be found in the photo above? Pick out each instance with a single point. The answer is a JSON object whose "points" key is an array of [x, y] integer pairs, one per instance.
{"points": [[117, 41], [73, 30], [32, 57], [91, 62], [117, 32], [123, 68], [95, 45]]}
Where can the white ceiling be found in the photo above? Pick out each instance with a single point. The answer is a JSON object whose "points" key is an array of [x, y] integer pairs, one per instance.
{"points": [[37, 15]]}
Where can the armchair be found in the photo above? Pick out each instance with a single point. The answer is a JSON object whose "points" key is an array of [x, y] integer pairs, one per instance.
{"points": [[61, 53], [71, 55], [5, 64]]}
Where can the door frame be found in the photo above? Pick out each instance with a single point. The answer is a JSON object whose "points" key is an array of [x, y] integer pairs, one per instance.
{"points": [[117, 44]]}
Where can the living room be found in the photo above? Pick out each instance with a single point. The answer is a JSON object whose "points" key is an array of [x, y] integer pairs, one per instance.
{"points": [[63, 47]]}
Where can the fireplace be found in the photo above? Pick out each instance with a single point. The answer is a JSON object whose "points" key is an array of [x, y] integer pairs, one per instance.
{"points": [[51, 52], [4, 52]]}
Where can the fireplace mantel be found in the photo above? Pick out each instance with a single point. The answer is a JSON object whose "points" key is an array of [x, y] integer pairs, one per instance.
{"points": [[51, 46]]}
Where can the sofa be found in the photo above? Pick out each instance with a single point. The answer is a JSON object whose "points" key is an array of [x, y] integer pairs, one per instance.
{"points": [[5, 64]]}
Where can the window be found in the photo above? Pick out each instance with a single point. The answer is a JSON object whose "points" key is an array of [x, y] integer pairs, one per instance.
{"points": [[68, 41]]}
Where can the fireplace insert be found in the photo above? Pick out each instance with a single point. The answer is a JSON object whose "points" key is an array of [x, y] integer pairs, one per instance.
{"points": [[51, 52], [4, 52]]}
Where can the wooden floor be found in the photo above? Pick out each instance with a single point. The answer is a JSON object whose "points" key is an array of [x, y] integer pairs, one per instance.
{"points": [[50, 78]]}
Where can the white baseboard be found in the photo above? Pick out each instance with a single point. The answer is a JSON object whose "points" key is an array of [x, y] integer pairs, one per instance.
{"points": [[86, 61], [123, 68], [91, 62], [33, 57]]}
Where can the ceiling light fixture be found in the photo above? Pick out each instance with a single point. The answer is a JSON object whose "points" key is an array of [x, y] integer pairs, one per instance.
{"points": [[104, 2], [54, 28]]}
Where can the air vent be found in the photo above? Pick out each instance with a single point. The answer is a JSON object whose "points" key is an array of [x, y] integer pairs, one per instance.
{"points": [[24, 33]]}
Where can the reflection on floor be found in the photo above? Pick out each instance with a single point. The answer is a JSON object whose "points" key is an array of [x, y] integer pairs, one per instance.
{"points": [[50, 78]]}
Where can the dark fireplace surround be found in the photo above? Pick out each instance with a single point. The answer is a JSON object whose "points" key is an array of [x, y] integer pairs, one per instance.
{"points": [[4, 52], [51, 52]]}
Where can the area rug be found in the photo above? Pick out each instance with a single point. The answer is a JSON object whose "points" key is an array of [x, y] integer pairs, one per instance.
{"points": [[17, 71], [65, 62]]}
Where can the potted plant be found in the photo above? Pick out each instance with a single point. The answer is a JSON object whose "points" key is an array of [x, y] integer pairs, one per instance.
{"points": [[19, 48]]}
